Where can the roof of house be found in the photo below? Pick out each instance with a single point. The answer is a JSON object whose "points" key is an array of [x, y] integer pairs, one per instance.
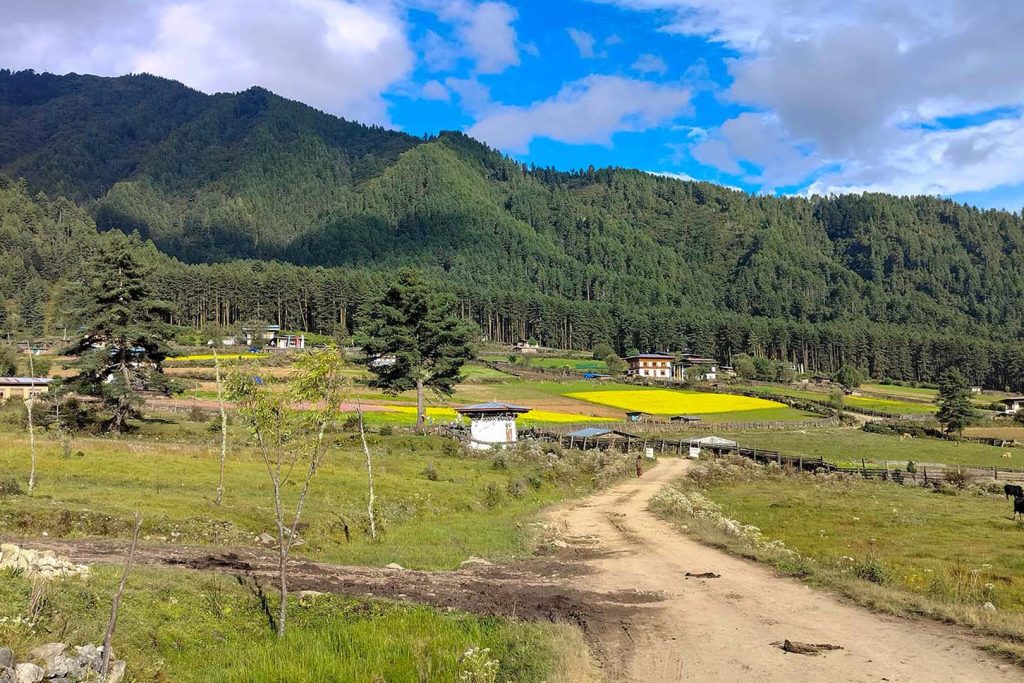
{"points": [[492, 407], [697, 360], [660, 356], [1012, 399], [24, 381], [714, 441], [589, 432], [686, 418]]}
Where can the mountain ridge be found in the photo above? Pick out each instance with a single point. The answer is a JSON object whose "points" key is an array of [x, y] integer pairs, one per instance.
{"points": [[250, 175]]}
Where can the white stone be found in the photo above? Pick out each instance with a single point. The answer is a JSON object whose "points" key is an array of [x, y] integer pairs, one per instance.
{"points": [[394, 565], [28, 673]]}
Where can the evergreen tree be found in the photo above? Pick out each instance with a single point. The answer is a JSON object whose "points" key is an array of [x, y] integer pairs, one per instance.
{"points": [[122, 344], [412, 339], [955, 411], [850, 377]]}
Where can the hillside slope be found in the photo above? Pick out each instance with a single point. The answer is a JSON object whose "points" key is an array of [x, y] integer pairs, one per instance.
{"points": [[252, 175]]}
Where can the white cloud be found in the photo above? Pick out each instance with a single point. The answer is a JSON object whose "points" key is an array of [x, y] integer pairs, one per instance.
{"points": [[650, 64], [583, 41], [856, 86], [941, 162], [672, 175], [484, 31], [591, 110], [474, 95], [435, 90], [337, 55]]}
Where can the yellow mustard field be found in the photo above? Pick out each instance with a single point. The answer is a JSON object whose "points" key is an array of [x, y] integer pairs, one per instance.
{"points": [[537, 416], [210, 356], [666, 402]]}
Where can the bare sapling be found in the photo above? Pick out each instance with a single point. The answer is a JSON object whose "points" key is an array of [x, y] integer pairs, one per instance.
{"points": [[31, 426], [223, 426], [108, 637], [369, 473], [285, 435]]}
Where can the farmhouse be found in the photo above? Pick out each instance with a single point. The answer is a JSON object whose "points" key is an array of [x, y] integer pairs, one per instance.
{"points": [[650, 365], [1013, 404], [274, 338], [526, 346], [692, 366], [23, 387], [492, 425]]}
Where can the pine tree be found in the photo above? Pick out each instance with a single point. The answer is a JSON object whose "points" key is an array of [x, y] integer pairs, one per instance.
{"points": [[955, 411], [122, 343], [412, 339]]}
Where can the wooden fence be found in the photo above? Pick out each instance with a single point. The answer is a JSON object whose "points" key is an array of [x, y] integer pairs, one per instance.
{"points": [[656, 426], [630, 442]]}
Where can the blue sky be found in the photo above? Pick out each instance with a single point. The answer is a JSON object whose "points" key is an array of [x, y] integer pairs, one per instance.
{"points": [[771, 96]]}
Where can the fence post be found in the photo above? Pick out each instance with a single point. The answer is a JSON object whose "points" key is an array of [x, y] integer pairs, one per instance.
{"points": [[995, 473], [925, 474], [572, 442], [801, 463]]}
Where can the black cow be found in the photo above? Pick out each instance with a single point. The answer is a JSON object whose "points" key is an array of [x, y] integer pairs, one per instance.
{"points": [[1018, 507], [1013, 490]]}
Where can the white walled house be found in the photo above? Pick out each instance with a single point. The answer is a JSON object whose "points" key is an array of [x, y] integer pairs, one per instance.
{"points": [[704, 369], [1013, 404], [658, 365], [492, 425]]}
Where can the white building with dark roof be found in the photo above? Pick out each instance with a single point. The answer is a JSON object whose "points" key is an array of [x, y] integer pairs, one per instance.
{"points": [[492, 425]]}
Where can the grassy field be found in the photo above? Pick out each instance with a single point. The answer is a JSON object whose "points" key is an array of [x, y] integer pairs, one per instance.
{"points": [[177, 625], [848, 446], [852, 402], [577, 364], [467, 507], [900, 549], [435, 507]]}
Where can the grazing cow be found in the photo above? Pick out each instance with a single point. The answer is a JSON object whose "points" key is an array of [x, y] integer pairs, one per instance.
{"points": [[1018, 507], [1014, 490]]}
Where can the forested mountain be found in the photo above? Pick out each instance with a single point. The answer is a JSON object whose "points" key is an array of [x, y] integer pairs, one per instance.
{"points": [[293, 215]]}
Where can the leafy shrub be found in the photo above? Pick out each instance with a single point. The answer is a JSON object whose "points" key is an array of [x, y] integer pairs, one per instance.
{"points": [[451, 448], [500, 462], [957, 478], [516, 488], [492, 495], [430, 472], [197, 414], [10, 487], [911, 467], [872, 569], [386, 430], [535, 480]]}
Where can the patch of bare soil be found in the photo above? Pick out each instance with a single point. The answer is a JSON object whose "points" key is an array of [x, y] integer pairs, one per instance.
{"points": [[549, 588]]}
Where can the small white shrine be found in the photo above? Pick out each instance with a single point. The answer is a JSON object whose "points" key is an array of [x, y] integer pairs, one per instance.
{"points": [[492, 425]]}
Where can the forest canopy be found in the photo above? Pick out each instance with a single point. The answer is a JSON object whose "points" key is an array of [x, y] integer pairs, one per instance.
{"points": [[248, 206]]}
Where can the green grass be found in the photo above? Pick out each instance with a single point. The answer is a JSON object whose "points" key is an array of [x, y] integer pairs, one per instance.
{"points": [[578, 364], [424, 524], [848, 445], [196, 627], [914, 533], [852, 402], [783, 414]]}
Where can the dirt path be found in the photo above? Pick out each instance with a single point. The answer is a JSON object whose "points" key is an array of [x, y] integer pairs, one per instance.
{"points": [[619, 573], [722, 629]]}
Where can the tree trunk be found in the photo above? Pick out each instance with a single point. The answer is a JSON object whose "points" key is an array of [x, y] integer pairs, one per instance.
{"points": [[223, 428], [369, 475], [420, 409], [31, 426]]}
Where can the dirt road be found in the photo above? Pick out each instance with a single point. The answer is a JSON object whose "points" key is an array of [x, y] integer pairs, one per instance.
{"points": [[619, 573], [722, 629]]}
